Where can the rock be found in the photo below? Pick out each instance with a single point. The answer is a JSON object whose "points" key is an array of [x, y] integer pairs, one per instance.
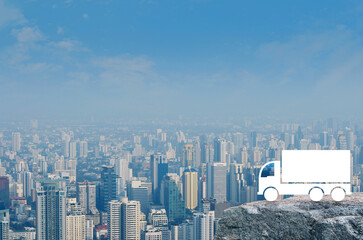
{"points": [[294, 218]]}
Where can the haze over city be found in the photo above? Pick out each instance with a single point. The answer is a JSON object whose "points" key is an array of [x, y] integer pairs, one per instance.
{"points": [[181, 120], [169, 59]]}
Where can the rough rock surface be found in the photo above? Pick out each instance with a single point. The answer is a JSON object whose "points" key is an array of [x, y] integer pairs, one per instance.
{"points": [[294, 218]]}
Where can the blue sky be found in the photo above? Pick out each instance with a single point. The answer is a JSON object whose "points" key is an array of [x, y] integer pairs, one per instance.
{"points": [[192, 58]]}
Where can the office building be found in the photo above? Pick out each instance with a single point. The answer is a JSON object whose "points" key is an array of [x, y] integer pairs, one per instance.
{"points": [[108, 186], [158, 218], [217, 181], [51, 210], [190, 188], [16, 142], [188, 157], [203, 226], [207, 154], [159, 168], [4, 193], [172, 198], [235, 183], [140, 191], [86, 197], [219, 150]]}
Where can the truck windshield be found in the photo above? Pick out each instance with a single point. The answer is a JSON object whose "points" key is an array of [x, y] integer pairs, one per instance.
{"points": [[268, 170]]}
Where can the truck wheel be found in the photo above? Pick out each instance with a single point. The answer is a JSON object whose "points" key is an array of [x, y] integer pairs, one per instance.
{"points": [[271, 194], [338, 194], [316, 194]]}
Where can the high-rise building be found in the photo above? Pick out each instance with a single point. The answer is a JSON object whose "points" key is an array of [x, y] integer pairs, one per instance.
{"points": [[235, 183], [4, 193], [190, 188], [219, 150], [324, 139], [159, 168], [172, 197], [188, 157], [89, 229], [26, 178], [51, 210], [86, 197], [66, 147], [217, 181], [350, 139], [140, 191], [114, 220], [108, 186], [342, 142], [124, 220], [238, 141], [203, 226], [183, 231], [72, 149], [207, 153], [76, 226], [83, 149], [4, 224], [253, 139], [158, 218], [16, 142], [123, 174]]}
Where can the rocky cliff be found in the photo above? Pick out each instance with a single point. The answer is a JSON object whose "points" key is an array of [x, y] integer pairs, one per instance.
{"points": [[294, 218]]}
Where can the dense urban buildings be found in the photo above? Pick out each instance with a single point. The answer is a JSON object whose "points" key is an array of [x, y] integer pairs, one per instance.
{"points": [[89, 182]]}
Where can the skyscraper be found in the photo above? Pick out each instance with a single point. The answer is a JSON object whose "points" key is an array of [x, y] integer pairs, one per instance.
{"points": [[159, 168], [83, 149], [4, 193], [342, 142], [86, 197], [4, 224], [190, 188], [16, 142], [203, 225], [76, 226], [219, 150], [130, 220], [253, 139], [172, 198], [108, 186], [51, 210], [139, 191], [235, 183], [188, 157], [114, 220], [26, 178], [72, 149], [124, 220], [217, 181], [207, 153]]}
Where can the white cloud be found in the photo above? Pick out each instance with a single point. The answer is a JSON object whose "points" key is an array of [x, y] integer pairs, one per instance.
{"points": [[28, 34], [68, 45], [60, 30], [10, 15], [121, 70]]}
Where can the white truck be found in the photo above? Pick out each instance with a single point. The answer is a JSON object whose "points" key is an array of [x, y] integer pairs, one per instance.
{"points": [[307, 172]]}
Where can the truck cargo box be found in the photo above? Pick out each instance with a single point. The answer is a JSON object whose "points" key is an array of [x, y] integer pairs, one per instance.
{"points": [[315, 166]]}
